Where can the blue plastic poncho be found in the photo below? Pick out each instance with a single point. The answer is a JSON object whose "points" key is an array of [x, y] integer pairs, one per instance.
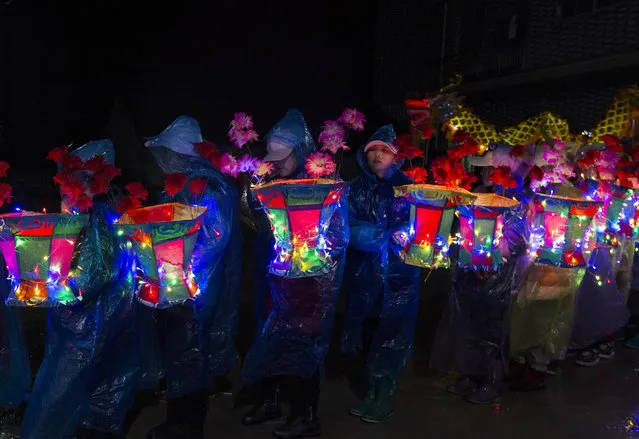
{"points": [[15, 369], [378, 284], [472, 334], [88, 373], [295, 337], [633, 300], [198, 340], [600, 309], [290, 130]]}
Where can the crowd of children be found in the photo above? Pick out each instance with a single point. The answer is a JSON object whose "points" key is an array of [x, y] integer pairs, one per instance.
{"points": [[517, 318]]}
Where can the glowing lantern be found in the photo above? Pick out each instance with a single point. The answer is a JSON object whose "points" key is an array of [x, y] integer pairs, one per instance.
{"points": [[163, 238], [432, 212], [38, 250], [618, 214], [481, 227], [562, 224], [299, 212]]}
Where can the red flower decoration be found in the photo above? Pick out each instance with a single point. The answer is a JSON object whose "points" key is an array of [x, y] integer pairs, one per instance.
{"points": [[425, 130], [502, 176], [405, 147], [137, 191], [174, 183], [517, 151], [210, 152], [95, 164], [590, 157], [451, 173], [58, 154], [536, 173], [99, 185], [418, 175], [5, 193], [612, 142], [197, 186], [128, 203], [82, 202], [4, 167]]}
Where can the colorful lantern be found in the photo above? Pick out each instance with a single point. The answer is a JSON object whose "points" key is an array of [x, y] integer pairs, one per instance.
{"points": [[38, 250], [163, 239], [617, 216], [481, 227], [299, 212], [562, 225], [432, 210]]}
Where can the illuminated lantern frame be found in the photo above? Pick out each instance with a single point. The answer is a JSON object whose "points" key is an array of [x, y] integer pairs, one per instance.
{"points": [[163, 238], [38, 250], [481, 227], [563, 223], [299, 212], [432, 211]]}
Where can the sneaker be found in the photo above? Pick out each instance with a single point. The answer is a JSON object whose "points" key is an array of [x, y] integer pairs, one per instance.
{"points": [[632, 343], [606, 350], [552, 368], [463, 386], [587, 357], [484, 395]]}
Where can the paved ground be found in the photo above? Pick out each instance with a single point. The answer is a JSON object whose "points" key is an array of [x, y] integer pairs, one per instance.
{"points": [[599, 402], [583, 403]]}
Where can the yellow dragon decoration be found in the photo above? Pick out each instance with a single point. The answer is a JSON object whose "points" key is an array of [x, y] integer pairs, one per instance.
{"points": [[617, 121]]}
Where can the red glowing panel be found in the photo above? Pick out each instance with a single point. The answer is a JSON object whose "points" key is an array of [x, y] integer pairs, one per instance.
{"points": [[61, 254], [304, 223], [154, 214], [574, 257], [426, 224], [170, 255], [275, 200], [333, 196], [466, 229], [555, 226], [9, 253], [150, 293]]}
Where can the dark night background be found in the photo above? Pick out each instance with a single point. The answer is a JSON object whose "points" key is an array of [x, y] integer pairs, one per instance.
{"points": [[77, 71]]}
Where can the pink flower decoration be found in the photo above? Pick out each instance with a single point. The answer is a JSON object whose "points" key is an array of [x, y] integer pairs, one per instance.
{"points": [[319, 164], [331, 130], [352, 119], [553, 156], [335, 144], [242, 137], [263, 168], [246, 163], [242, 121], [228, 165]]}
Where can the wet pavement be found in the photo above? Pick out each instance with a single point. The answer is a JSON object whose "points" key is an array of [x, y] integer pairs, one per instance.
{"points": [[598, 402]]}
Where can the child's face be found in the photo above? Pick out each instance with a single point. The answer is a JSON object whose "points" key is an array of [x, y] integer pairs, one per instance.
{"points": [[286, 167], [380, 159]]}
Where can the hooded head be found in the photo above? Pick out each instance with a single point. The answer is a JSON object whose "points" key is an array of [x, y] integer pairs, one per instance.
{"points": [[179, 136], [288, 144], [95, 148], [174, 150], [379, 156]]}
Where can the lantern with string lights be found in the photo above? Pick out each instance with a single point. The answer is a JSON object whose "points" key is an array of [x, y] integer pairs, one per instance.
{"points": [[38, 250], [432, 210], [300, 212], [481, 226], [562, 224], [163, 239]]}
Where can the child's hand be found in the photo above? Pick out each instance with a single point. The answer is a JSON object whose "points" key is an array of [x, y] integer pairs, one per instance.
{"points": [[400, 237]]}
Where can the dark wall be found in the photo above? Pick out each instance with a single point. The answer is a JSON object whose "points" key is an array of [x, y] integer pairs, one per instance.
{"points": [[68, 63]]}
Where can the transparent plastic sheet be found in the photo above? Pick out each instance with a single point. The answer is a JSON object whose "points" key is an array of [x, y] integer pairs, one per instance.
{"points": [[80, 379], [297, 333], [378, 284], [291, 130], [472, 334], [542, 315], [633, 299], [473, 329], [623, 263], [197, 340], [600, 309], [15, 369]]}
